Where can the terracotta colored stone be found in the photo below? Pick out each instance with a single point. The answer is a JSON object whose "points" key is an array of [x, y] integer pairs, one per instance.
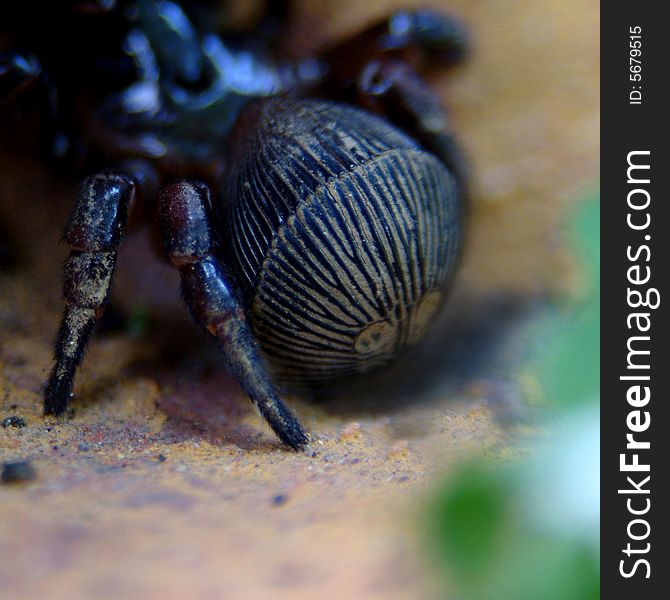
{"points": [[163, 484]]}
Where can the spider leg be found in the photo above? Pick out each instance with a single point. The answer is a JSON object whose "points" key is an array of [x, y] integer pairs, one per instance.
{"points": [[421, 38], [94, 232], [394, 89], [379, 69], [17, 71], [210, 295]]}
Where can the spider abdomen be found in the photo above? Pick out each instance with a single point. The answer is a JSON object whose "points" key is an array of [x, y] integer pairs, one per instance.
{"points": [[344, 233]]}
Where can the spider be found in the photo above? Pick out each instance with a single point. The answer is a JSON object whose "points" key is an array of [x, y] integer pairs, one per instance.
{"points": [[313, 208]]}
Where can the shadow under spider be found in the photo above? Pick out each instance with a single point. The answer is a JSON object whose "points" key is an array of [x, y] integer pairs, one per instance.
{"points": [[198, 396], [473, 342]]}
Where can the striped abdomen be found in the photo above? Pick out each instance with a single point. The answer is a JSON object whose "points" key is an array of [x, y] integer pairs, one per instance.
{"points": [[343, 233]]}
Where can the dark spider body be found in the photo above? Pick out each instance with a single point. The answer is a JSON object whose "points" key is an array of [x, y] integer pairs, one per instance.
{"points": [[300, 222]]}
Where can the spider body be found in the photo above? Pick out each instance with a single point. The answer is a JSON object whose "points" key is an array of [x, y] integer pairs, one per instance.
{"points": [[308, 231], [343, 232]]}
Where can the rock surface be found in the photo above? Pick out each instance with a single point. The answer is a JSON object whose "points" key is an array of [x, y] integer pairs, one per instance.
{"points": [[163, 483]]}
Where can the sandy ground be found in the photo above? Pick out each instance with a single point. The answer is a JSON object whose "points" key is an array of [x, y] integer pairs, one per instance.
{"points": [[163, 483]]}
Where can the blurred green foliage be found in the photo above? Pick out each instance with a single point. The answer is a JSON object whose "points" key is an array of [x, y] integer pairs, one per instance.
{"points": [[491, 551], [569, 346], [529, 530]]}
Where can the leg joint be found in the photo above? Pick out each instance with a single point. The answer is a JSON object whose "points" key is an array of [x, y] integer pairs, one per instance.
{"points": [[100, 216]]}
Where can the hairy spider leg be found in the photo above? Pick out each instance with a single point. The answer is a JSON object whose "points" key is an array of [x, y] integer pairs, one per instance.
{"points": [[94, 232], [191, 245]]}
